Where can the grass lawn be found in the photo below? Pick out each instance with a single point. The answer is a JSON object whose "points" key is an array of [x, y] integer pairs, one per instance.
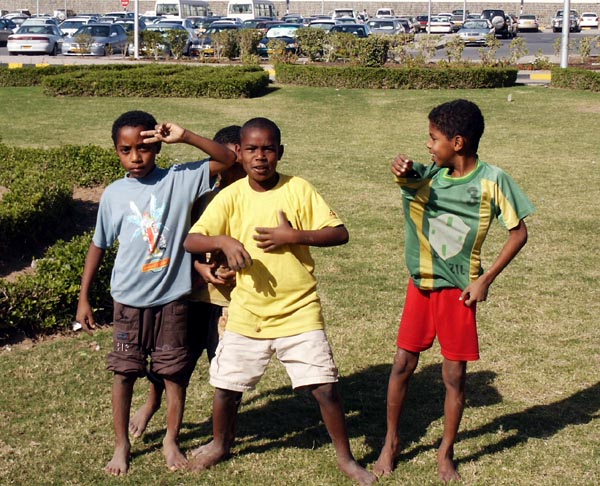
{"points": [[533, 398]]}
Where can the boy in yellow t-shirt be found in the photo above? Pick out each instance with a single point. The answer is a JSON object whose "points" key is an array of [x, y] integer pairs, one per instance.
{"points": [[264, 224]]}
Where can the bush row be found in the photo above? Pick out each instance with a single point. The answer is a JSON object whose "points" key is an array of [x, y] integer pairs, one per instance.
{"points": [[396, 78], [47, 300], [574, 78], [40, 186]]}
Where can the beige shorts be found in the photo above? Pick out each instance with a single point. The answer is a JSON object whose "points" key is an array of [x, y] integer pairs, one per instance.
{"points": [[240, 361]]}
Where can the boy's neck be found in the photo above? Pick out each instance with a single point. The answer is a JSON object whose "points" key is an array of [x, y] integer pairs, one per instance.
{"points": [[462, 165], [264, 186]]}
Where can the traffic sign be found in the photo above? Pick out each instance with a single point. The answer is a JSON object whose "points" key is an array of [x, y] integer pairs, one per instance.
{"points": [[124, 3]]}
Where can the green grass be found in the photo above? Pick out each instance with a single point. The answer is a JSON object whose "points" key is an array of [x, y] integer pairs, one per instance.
{"points": [[533, 398]]}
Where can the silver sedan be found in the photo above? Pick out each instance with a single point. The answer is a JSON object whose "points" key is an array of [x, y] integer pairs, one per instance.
{"points": [[96, 40]]}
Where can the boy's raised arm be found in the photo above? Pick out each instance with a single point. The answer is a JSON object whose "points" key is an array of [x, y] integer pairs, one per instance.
{"points": [[221, 157], [477, 291]]}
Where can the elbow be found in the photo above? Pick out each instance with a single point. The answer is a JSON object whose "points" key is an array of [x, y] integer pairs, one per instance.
{"points": [[343, 235], [187, 244]]}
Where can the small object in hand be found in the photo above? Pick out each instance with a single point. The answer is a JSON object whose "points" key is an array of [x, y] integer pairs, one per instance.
{"points": [[77, 326]]}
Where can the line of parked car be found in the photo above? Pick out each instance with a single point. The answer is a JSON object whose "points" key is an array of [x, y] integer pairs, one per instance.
{"points": [[99, 35]]}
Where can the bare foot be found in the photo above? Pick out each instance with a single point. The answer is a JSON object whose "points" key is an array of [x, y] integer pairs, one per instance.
{"points": [[446, 469], [386, 460], [201, 449], [358, 473], [209, 456], [175, 458], [119, 464], [139, 422]]}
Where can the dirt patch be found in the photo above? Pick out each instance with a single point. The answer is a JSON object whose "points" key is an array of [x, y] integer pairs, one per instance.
{"points": [[16, 261]]}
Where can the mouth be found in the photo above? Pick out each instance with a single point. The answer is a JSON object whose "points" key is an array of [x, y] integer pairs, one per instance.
{"points": [[261, 169]]}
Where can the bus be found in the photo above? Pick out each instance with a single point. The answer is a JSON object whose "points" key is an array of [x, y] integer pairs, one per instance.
{"points": [[250, 9], [182, 8]]}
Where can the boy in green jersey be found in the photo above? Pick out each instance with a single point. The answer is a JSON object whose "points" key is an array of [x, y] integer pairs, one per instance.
{"points": [[449, 206]]}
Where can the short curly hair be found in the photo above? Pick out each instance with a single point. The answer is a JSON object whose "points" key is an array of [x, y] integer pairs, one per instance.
{"points": [[459, 117], [263, 123], [134, 118]]}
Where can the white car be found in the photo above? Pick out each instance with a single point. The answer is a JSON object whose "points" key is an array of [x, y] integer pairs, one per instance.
{"points": [[70, 26], [588, 20], [528, 22], [440, 25], [36, 38]]}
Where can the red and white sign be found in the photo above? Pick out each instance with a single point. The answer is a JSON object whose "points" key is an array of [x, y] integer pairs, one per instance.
{"points": [[124, 3]]}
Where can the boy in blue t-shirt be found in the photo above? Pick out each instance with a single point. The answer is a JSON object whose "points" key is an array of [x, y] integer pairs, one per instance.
{"points": [[448, 207], [148, 212]]}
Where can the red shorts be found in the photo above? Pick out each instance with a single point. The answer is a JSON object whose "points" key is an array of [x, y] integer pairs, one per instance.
{"points": [[428, 313]]}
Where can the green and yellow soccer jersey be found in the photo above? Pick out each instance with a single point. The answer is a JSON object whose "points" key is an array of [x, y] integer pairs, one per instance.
{"points": [[448, 218]]}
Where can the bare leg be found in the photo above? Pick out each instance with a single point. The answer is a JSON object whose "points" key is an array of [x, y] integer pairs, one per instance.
{"points": [[207, 447], [225, 408], [175, 393], [332, 411], [122, 391], [139, 421], [405, 363], [454, 374]]}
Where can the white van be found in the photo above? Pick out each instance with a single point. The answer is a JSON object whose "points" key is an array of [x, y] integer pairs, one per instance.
{"points": [[384, 12], [344, 12], [251, 9]]}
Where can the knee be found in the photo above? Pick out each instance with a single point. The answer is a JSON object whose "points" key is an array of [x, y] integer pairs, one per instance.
{"points": [[326, 393], [227, 397], [405, 363], [455, 377]]}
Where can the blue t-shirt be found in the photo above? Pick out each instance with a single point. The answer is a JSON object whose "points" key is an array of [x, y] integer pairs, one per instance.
{"points": [[150, 217]]}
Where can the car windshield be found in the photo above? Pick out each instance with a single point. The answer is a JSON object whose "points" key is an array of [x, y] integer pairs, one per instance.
{"points": [[527, 17], [94, 30], [35, 29], [475, 25], [282, 31]]}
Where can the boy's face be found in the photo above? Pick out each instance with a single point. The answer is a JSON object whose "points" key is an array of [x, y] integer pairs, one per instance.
{"points": [[137, 158], [442, 148], [259, 153]]}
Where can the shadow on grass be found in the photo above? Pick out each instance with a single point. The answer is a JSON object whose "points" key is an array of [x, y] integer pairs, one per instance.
{"points": [[292, 420]]}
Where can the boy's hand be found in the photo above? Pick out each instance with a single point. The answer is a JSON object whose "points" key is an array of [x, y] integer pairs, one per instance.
{"points": [[269, 239], [476, 291], [165, 132], [401, 165], [85, 317], [237, 256]]}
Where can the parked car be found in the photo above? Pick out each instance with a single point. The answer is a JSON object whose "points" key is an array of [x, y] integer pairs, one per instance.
{"points": [[416, 25], [40, 21], [440, 25], [7, 27], [423, 19], [284, 32], [203, 45], [384, 12], [105, 39], [39, 39], [70, 26], [588, 20], [163, 47], [498, 19], [557, 21], [528, 22], [322, 24], [386, 26], [476, 31], [359, 30]]}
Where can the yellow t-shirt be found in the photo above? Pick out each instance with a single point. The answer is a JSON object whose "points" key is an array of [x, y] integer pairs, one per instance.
{"points": [[277, 295]]}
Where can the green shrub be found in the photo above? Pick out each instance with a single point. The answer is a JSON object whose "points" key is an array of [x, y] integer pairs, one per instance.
{"points": [[47, 300], [372, 51], [249, 39], [310, 42], [162, 80], [574, 78], [177, 41], [395, 78], [226, 43]]}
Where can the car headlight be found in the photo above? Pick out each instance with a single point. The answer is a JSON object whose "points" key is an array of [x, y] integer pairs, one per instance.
{"points": [[97, 44]]}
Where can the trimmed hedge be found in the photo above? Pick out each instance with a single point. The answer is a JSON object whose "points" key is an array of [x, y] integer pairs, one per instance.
{"points": [[157, 80], [574, 78], [47, 300], [396, 78], [33, 75]]}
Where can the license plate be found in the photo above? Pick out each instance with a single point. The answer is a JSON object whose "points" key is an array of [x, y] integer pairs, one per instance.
{"points": [[26, 47]]}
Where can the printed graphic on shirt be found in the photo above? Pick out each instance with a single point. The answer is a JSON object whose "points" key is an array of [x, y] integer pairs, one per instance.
{"points": [[150, 229], [447, 235]]}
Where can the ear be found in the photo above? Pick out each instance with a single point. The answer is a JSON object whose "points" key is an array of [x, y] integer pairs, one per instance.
{"points": [[280, 152], [459, 143]]}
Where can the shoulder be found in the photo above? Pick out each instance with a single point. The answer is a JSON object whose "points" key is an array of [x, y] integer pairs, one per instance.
{"points": [[494, 173], [181, 169]]}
